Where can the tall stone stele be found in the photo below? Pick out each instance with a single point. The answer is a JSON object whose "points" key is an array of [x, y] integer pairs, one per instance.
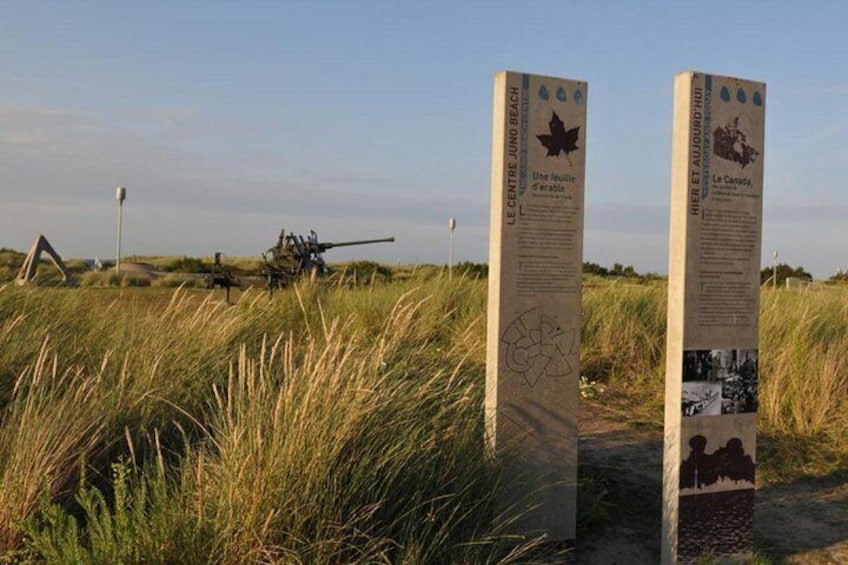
{"points": [[535, 259], [713, 315]]}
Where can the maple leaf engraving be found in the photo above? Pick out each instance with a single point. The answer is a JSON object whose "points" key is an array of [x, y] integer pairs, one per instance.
{"points": [[559, 140]]}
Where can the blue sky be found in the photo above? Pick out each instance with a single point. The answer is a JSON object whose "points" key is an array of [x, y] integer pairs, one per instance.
{"points": [[227, 121]]}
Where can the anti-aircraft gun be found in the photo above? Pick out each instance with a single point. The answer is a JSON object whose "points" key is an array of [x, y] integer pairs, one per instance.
{"points": [[295, 256]]}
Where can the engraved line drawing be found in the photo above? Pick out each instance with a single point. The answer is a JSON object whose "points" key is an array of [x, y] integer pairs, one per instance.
{"points": [[537, 347]]}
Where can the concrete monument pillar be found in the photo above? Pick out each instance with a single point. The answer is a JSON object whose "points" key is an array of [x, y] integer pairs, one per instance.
{"points": [[535, 284], [713, 315]]}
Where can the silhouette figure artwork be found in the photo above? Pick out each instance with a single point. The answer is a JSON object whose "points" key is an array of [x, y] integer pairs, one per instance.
{"points": [[559, 140], [728, 463]]}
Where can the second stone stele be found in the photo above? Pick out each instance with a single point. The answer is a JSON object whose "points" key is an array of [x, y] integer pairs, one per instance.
{"points": [[713, 316]]}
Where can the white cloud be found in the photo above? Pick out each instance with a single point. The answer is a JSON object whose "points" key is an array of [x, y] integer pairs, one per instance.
{"points": [[627, 218], [807, 214], [58, 171], [839, 90]]}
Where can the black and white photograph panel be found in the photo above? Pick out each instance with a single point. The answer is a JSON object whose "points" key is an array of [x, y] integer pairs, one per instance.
{"points": [[719, 381], [739, 388], [701, 398]]}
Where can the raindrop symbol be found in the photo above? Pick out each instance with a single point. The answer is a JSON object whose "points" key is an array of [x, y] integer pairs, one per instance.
{"points": [[758, 100], [740, 95], [725, 94], [578, 96], [543, 92], [561, 94]]}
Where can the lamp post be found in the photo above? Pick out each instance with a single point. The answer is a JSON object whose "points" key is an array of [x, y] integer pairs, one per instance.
{"points": [[120, 196], [451, 227], [774, 270]]}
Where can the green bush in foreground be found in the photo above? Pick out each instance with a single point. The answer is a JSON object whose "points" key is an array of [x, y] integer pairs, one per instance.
{"points": [[143, 523]]}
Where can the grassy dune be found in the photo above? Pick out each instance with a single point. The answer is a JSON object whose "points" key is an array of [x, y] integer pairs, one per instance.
{"points": [[329, 424]]}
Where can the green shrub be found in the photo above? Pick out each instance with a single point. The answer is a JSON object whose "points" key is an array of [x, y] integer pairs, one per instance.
{"points": [[175, 281], [783, 272], [186, 265], [364, 272], [143, 522], [112, 279], [472, 270]]}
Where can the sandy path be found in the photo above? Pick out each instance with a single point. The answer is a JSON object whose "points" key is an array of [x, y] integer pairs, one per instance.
{"points": [[802, 522]]}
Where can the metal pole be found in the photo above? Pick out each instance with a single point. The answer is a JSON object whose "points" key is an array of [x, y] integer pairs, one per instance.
{"points": [[452, 227], [774, 270], [120, 196]]}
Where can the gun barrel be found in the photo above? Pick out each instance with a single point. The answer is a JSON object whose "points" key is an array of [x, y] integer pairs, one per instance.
{"points": [[360, 242]]}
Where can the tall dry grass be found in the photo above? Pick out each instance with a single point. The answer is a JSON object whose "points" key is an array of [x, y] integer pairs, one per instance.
{"points": [[803, 393], [328, 424], [363, 456], [623, 334], [47, 425], [803, 371], [77, 376], [325, 425]]}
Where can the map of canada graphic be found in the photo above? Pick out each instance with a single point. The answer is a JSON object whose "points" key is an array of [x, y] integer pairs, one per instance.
{"points": [[731, 143], [537, 347]]}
